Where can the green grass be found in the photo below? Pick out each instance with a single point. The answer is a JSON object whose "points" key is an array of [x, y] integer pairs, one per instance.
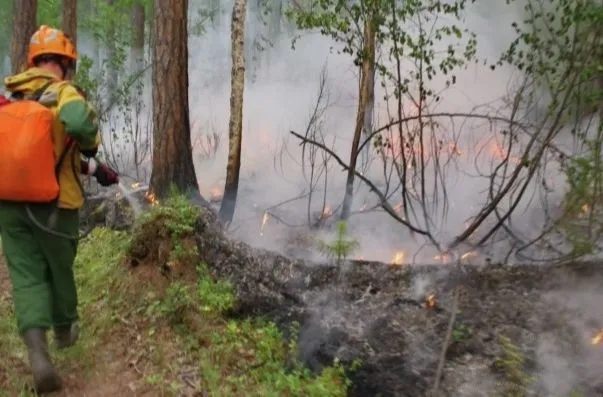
{"points": [[161, 334]]}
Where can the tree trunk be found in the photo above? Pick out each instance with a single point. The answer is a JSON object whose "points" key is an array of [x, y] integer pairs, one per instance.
{"points": [[112, 75], [235, 126], [138, 20], [172, 151], [24, 26], [363, 114], [69, 21]]}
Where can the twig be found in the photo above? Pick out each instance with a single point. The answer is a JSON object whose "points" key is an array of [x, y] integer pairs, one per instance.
{"points": [[438, 377], [383, 200]]}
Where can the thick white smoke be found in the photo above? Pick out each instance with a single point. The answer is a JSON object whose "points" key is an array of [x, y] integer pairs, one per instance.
{"points": [[281, 90]]}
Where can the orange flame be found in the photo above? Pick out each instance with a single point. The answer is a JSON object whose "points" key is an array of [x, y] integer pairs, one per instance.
{"points": [[151, 198], [431, 301], [597, 338], [442, 258], [398, 258], [215, 193], [467, 255], [264, 222]]}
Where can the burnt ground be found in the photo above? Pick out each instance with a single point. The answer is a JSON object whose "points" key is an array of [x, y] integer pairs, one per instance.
{"points": [[527, 328]]}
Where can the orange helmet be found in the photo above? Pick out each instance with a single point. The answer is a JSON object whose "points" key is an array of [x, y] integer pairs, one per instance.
{"points": [[47, 40]]}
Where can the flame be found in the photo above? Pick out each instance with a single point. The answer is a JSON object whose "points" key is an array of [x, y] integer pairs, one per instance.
{"points": [[215, 193], [498, 151], [398, 258], [597, 338], [584, 210], [468, 255], [431, 301], [264, 222], [453, 149], [151, 198], [442, 258], [327, 212], [398, 207]]}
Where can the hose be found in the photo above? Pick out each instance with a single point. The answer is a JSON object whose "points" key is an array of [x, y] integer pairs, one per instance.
{"points": [[53, 215]]}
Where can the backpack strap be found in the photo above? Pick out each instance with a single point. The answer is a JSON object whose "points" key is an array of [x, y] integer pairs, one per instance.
{"points": [[40, 91]]}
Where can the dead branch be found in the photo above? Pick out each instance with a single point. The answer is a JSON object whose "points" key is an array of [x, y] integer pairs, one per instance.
{"points": [[383, 200]]}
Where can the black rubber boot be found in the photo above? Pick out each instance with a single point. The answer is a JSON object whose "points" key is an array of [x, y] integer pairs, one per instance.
{"points": [[46, 378], [66, 336]]}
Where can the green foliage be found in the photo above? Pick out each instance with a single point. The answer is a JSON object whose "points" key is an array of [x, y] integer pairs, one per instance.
{"points": [[559, 42], [580, 222], [395, 24], [461, 333], [341, 247], [177, 214], [511, 363], [216, 296], [173, 306]]}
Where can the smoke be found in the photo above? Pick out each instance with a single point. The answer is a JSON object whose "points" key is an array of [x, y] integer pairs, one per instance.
{"points": [[282, 86]]}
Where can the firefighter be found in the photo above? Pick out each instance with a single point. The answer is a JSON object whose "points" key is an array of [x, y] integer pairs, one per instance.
{"points": [[40, 260]]}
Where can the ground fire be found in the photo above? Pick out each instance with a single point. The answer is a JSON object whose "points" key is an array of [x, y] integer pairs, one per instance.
{"points": [[597, 339], [431, 302], [398, 258], [151, 198]]}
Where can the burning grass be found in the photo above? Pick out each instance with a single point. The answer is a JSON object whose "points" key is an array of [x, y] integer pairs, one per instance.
{"points": [[155, 323]]}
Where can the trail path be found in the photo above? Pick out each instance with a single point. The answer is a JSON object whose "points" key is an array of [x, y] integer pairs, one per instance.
{"points": [[97, 367]]}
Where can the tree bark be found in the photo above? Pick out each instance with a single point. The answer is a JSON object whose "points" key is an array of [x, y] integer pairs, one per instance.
{"points": [[112, 77], [364, 112], [69, 21], [24, 26], [235, 126], [172, 151], [138, 20]]}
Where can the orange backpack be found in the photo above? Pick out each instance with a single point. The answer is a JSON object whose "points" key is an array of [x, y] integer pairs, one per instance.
{"points": [[27, 158]]}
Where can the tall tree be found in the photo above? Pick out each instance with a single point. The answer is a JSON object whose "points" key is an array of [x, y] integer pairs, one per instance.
{"points": [[69, 20], [138, 20], [364, 113], [24, 25], [235, 126], [172, 150]]}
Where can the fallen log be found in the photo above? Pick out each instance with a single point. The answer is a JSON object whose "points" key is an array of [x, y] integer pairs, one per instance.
{"points": [[527, 329]]}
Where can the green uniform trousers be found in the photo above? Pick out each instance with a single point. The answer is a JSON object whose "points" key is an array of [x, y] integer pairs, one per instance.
{"points": [[40, 264]]}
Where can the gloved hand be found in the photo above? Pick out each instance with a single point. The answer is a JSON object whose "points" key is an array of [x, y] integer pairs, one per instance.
{"points": [[105, 175]]}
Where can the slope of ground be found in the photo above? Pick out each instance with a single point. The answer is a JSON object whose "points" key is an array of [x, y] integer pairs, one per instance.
{"points": [[172, 308], [160, 328]]}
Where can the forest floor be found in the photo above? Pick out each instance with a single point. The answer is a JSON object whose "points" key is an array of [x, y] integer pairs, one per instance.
{"points": [[144, 334]]}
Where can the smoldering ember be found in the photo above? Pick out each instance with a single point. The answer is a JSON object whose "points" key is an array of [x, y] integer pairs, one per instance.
{"points": [[319, 198]]}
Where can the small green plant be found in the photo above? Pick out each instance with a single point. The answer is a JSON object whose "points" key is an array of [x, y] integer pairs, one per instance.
{"points": [[511, 363], [341, 247], [216, 296], [461, 333], [173, 306], [176, 213]]}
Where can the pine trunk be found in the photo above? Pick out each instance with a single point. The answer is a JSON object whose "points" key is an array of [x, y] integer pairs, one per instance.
{"points": [[24, 26], [172, 151], [69, 21]]}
